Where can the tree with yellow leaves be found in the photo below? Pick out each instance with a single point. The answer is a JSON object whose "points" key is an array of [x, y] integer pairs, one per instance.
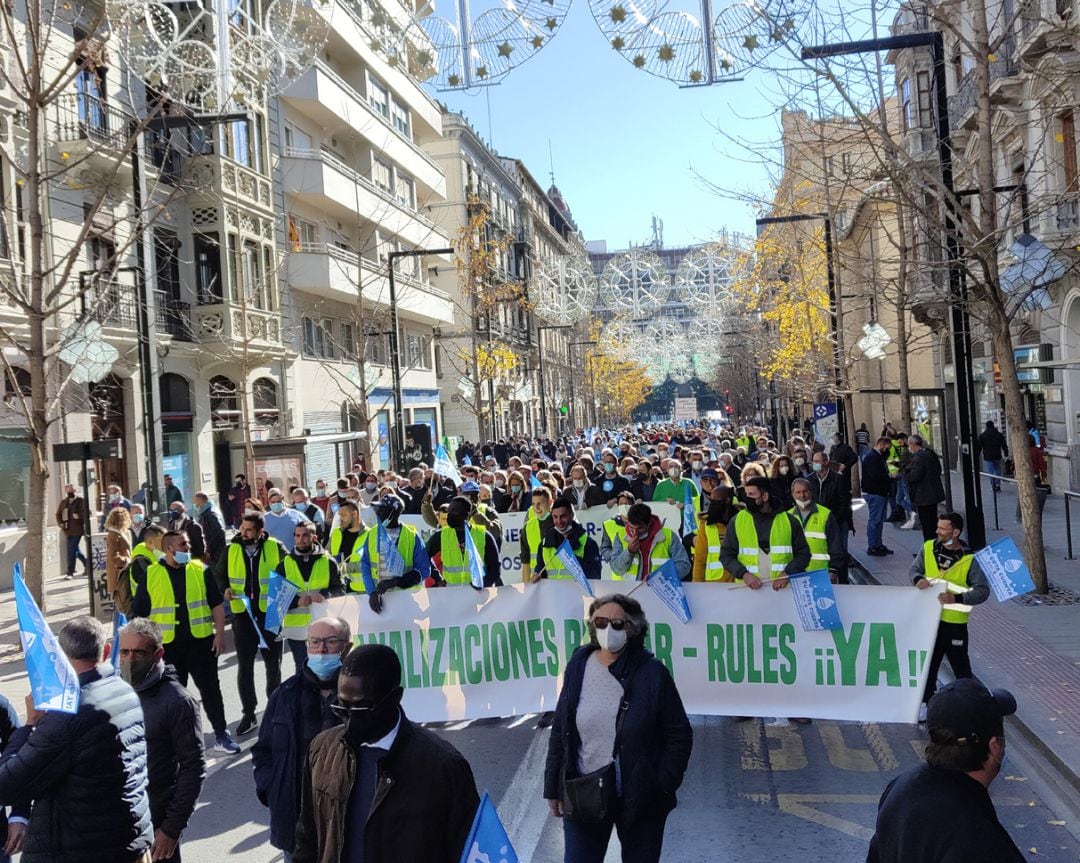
{"points": [[617, 385]]}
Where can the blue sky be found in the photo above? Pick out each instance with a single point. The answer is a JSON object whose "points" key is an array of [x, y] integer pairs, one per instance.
{"points": [[628, 145]]}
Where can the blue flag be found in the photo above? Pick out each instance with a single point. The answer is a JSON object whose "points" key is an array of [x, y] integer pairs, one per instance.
{"points": [[476, 563], [465, 460], [444, 467], [488, 842], [388, 553], [665, 583], [53, 682], [814, 600], [365, 567], [534, 482], [689, 515], [258, 631], [572, 565], [1005, 569], [279, 597], [119, 622]]}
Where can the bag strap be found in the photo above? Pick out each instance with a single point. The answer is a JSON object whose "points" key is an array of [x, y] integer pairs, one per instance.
{"points": [[624, 705]]}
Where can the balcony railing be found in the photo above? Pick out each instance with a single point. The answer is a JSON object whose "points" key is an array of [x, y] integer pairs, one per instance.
{"points": [[372, 268], [963, 102], [172, 317], [1059, 214], [112, 304], [82, 117]]}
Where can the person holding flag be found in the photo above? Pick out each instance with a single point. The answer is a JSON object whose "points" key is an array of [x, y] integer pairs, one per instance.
{"points": [[316, 576], [448, 552], [346, 539], [675, 488], [644, 545], [394, 555], [563, 527]]}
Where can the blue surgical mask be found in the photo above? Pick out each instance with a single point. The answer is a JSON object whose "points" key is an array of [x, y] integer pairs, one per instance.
{"points": [[182, 557], [138, 518], [301, 506], [324, 665], [277, 506]]}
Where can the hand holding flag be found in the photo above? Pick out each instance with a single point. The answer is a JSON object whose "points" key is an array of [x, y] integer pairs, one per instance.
{"points": [[572, 565], [258, 630], [54, 685]]}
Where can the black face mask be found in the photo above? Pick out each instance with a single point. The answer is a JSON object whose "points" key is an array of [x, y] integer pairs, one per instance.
{"points": [[371, 725], [752, 506], [718, 512], [455, 519]]}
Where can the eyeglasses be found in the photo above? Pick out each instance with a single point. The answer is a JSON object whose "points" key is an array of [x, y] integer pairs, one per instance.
{"points": [[616, 623], [331, 643], [344, 712]]}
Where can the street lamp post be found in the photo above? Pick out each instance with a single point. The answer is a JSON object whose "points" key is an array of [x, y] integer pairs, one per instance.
{"points": [[395, 358], [570, 355], [961, 322], [540, 368]]}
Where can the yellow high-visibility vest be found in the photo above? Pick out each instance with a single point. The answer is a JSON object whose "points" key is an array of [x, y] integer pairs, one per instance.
{"points": [[163, 601]]}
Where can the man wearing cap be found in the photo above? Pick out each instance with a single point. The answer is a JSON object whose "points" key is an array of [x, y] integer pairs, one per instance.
{"points": [[448, 552], [940, 811], [949, 564]]}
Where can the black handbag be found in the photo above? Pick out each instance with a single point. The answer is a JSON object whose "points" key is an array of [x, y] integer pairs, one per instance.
{"points": [[593, 798]]}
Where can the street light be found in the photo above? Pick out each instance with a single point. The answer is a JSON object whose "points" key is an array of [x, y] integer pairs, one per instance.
{"points": [[395, 358], [570, 355], [841, 419], [540, 365], [961, 322]]}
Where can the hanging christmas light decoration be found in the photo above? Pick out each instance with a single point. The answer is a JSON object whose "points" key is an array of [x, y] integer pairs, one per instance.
{"points": [[564, 289], [705, 277], [634, 284]]}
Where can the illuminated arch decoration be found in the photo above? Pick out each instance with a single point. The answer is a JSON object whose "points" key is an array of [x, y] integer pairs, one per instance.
{"points": [[634, 284], [705, 277], [564, 290]]}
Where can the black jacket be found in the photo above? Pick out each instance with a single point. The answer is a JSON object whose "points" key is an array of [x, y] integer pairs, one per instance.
{"points": [[295, 715], [654, 742], [923, 474], [213, 528], [590, 561], [833, 491], [992, 445], [86, 773], [176, 764], [9, 721], [412, 497], [915, 800], [597, 495], [194, 534], [875, 473], [251, 566]]}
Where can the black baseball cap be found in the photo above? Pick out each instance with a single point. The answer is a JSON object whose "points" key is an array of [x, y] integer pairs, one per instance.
{"points": [[709, 473], [967, 712]]}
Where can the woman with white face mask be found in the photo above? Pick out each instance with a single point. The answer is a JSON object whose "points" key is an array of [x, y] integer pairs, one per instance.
{"points": [[619, 713]]}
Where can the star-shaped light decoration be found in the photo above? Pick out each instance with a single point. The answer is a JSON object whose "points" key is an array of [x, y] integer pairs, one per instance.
{"points": [[551, 23], [392, 61], [696, 76], [424, 58], [726, 64], [537, 41], [666, 53], [618, 43], [777, 34], [481, 71], [750, 43], [617, 14], [639, 61], [789, 24], [506, 49]]}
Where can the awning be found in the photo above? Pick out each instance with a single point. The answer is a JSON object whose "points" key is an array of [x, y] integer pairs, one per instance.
{"points": [[1036, 267]]}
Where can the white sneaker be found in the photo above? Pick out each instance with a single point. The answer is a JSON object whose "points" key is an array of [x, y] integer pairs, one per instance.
{"points": [[910, 523], [922, 713]]}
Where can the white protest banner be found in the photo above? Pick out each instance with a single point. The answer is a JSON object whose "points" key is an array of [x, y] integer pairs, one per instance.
{"points": [[467, 654]]}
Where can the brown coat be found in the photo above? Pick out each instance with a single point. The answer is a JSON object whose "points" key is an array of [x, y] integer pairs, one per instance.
{"points": [[424, 804], [117, 556], [71, 516]]}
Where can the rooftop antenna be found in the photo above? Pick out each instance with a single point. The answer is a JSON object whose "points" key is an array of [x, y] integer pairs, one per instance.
{"points": [[551, 162], [657, 232]]}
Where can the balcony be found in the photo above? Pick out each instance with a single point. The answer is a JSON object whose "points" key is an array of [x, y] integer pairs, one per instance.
{"points": [[215, 179], [92, 137], [324, 180], [334, 273], [172, 318], [962, 113], [1005, 82], [330, 100], [111, 304], [1043, 26], [1058, 218], [231, 325]]}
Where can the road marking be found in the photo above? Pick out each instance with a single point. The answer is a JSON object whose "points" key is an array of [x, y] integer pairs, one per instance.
{"points": [[459, 726], [788, 753], [521, 720], [840, 754], [796, 804], [523, 808], [879, 745]]}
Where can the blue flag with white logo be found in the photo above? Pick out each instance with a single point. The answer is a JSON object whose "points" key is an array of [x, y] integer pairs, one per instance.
{"points": [[53, 682], [476, 562], [689, 516], [534, 482], [488, 842], [444, 467], [1005, 569], [118, 623], [465, 460], [388, 553], [365, 566], [279, 597], [667, 586], [572, 565], [814, 600], [258, 630]]}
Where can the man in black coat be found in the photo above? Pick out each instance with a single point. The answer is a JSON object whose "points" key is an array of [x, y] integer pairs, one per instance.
{"points": [[994, 449], [875, 489], [923, 475], [85, 771], [181, 521], [175, 761], [213, 527], [298, 711], [832, 489]]}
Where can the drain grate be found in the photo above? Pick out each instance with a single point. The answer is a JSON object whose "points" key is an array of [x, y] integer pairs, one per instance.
{"points": [[1058, 595]]}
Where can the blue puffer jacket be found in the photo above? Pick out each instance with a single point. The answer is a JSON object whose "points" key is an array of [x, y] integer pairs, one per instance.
{"points": [[86, 773], [295, 715], [654, 742]]}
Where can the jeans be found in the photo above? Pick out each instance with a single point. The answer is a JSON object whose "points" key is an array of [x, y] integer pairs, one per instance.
{"points": [[73, 553], [903, 495], [875, 505], [994, 467], [194, 656], [641, 840], [247, 645]]}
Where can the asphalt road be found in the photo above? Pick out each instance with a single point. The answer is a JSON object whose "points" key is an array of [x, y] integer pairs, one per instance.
{"points": [[759, 791]]}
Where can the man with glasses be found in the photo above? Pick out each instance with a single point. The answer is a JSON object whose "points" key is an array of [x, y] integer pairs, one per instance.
{"points": [[316, 576], [297, 712], [425, 792]]}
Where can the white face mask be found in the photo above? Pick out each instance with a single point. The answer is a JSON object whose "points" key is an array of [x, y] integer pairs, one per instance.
{"points": [[674, 472], [804, 504], [579, 483], [800, 461], [697, 464], [611, 640]]}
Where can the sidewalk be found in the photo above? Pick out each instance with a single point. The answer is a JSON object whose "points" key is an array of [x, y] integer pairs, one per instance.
{"points": [[1029, 645]]}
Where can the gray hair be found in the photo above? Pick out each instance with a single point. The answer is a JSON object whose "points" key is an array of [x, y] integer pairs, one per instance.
{"points": [[83, 638], [801, 480], [343, 628], [144, 628], [635, 616]]}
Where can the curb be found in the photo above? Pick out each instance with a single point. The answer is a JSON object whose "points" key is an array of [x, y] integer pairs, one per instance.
{"points": [[1059, 770]]}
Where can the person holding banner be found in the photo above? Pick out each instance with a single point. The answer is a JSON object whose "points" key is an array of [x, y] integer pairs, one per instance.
{"points": [[765, 543], [535, 525], [619, 724], [722, 508], [317, 577], [821, 530], [564, 527], [948, 563], [182, 598], [446, 549], [644, 545], [376, 570]]}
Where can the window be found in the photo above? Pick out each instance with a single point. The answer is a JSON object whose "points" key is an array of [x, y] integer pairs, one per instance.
{"points": [[208, 269], [16, 383], [922, 82], [243, 142], [176, 412], [379, 97], [297, 140], [224, 406], [14, 476], [382, 175], [1067, 121], [845, 161], [905, 105], [348, 341], [265, 400], [401, 118], [376, 346], [406, 191], [830, 166], [417, 351], [252, 285], [303, 235], [318, 339], [167, 264]]}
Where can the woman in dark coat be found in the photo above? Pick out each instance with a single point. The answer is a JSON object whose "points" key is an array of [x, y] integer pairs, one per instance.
{"points": [[618, 706]]}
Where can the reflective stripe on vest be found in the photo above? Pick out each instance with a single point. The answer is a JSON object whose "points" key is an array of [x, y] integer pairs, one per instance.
{"points": [[455, 563], [269, 558], [406, 544], [163, 601], [814, 528], [554, 567], [714, 569], [319, 580], [335, 544], [780, 553], [661, 554], [534, 537], [954, 579]]}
